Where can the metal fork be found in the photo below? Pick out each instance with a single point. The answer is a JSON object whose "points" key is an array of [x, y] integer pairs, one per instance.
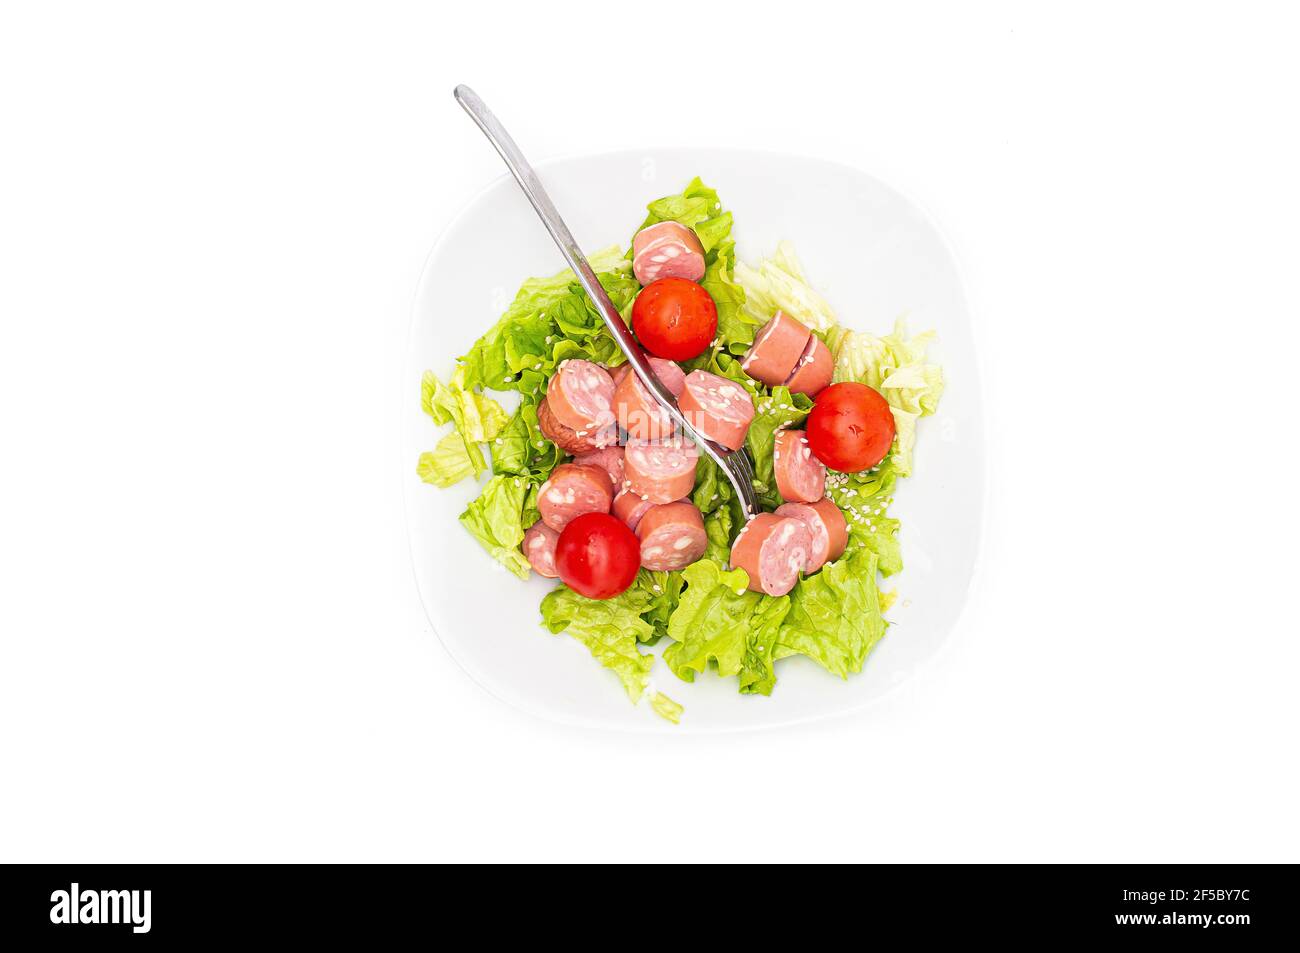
{"points": [[734, 463]]}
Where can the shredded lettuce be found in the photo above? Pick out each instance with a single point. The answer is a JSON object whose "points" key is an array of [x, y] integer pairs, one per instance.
{"points": [[521, 450], [665, 707], [697, 207], [663, 590], [719, 620], [477, 418], [721, 527], [716, 501], [834, 615], [449, 462], [894, 365], [611, 629], [495, 519], [779, 284], [864, 499], [550, 320]]}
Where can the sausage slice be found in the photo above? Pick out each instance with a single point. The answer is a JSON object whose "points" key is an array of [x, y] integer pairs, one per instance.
{"points": [[776, 350], [813, 372], [660, 472], [572, 490], [800, 476], [581, 396], [830, 533], [718, 408], [667, 250], [636, 410], [566, 438], [539, 546], [609, 459], [772, 550], [630, 507], [672, 536]]}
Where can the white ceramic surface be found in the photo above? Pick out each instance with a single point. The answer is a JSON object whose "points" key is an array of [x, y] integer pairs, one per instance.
{"points": [[870, 251]]}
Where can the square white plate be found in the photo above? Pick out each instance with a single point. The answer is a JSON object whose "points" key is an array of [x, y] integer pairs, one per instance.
{"points": [[870, 251]]}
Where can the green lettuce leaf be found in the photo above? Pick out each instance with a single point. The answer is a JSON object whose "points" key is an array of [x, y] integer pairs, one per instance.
{"points": [[715, 499], [495, 519], [663, 590], [904, 439], [521, 450], [779, 410], [835, 617], [758, 671], [665, 707], [864, 499], [611, 629], [779, 284], [697, 207], [735, 327], [718, 620], [721, 527], [531, 513], [712, 490], [476, 417], [448, 463], [550, 320]]}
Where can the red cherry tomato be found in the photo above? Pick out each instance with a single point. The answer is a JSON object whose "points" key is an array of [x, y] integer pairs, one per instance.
{"points": [[851, 427], [597, 555], [674, 319]]}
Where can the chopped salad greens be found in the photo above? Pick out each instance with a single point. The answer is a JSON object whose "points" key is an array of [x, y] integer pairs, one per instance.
{"points": [[705, 617]]}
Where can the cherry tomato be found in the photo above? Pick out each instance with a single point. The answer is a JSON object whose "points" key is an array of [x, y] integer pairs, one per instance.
{"points": [[674, 318], [851, 427], [597, 556]]}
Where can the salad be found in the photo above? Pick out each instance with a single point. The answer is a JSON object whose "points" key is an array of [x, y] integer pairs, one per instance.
{"points": [[585, 480]]}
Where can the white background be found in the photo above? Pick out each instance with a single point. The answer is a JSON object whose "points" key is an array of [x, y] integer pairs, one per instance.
{"points": [[212, 220]]}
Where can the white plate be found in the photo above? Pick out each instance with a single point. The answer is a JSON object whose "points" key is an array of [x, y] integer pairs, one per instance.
{"points": [[874, 255]]}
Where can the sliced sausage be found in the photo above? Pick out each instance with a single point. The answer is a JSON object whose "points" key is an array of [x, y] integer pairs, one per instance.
{"points": [[772, 550], [672, 536], [718, 408], [800, 476], [776, 350], [830, 533], [813, 372], [539, 546], [572, 490], [581, 396], [636, 410], [660, 472], [630, 507], [609, 459], [566, 438], [667, 250]]}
